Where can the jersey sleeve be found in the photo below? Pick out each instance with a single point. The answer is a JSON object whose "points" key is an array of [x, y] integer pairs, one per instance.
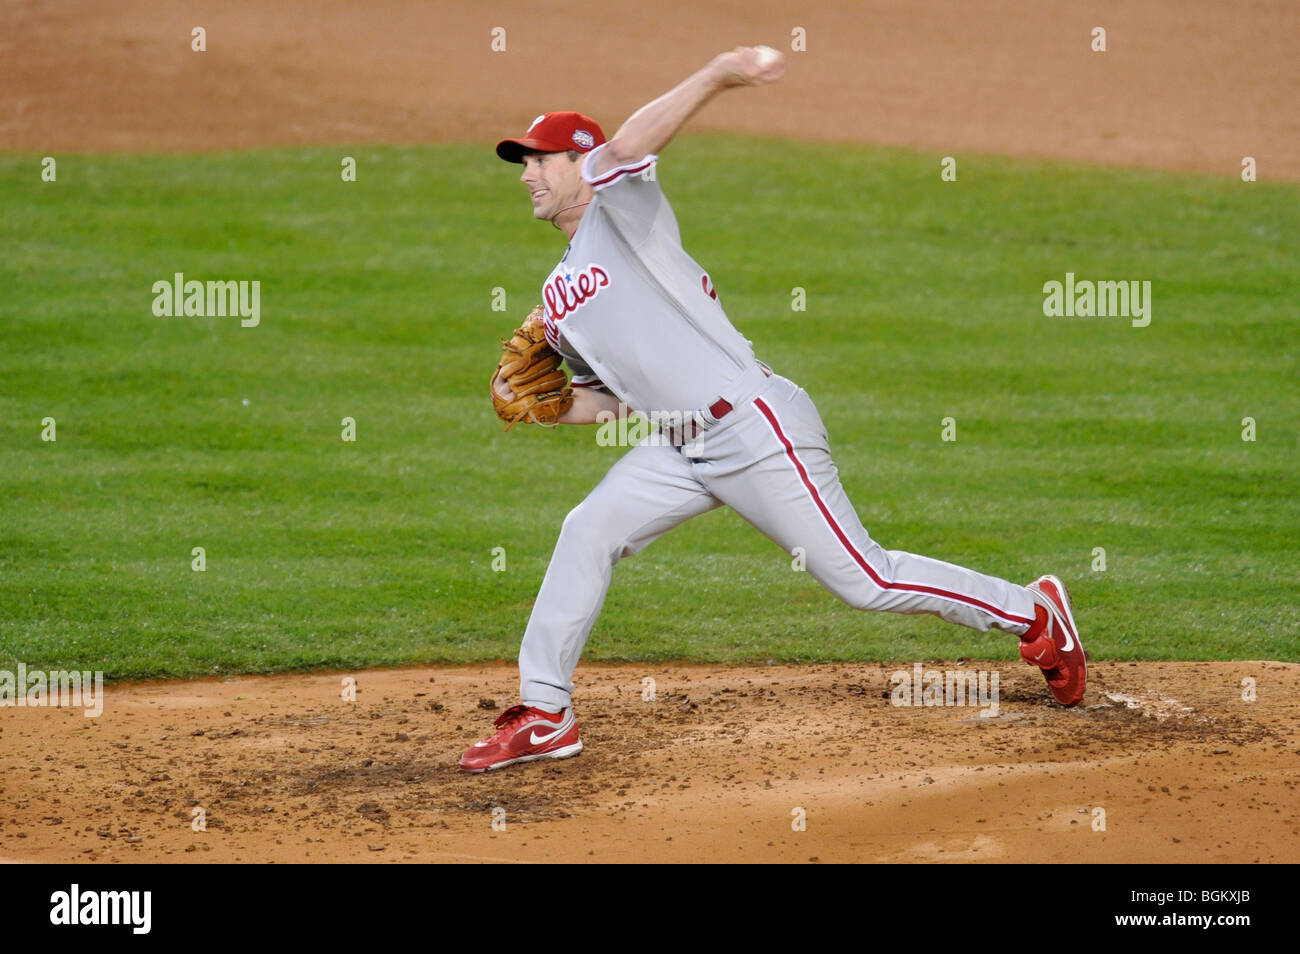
{"points": [[631, 197], [582, 376]]}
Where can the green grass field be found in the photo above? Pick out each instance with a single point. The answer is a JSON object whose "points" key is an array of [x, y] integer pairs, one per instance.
{"points": [[924, 301]]}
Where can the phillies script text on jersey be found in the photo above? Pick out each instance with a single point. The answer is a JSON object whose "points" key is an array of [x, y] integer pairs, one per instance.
{"points": [[566, 294]]}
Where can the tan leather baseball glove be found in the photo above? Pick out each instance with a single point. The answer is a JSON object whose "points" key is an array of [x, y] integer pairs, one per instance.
{"points": [[529, 384]]}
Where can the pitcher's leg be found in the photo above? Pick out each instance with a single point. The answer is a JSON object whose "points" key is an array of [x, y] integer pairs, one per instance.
{"points": [[647, 493], [794, 496]]}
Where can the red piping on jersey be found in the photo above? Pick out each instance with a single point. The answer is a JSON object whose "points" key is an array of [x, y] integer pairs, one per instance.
{"points": [[853, 551], [614, 175]]}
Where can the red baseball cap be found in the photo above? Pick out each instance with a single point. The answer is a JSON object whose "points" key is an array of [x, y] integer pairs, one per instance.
{"points": [[554, 132]]}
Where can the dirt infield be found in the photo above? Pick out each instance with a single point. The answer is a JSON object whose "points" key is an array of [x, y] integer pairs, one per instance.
{"points": [[715, 768], [1183, 84]]}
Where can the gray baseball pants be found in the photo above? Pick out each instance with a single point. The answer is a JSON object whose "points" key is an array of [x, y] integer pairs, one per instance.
{"points": [[769, 460]]}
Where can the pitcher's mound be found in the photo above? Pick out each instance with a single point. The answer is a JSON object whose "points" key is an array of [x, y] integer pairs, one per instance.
{"points": [[1164, 762]]}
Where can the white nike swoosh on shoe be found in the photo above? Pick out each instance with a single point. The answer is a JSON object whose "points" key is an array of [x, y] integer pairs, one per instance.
{"points": [[1059, 619], [1065, 618], [536, 740]]}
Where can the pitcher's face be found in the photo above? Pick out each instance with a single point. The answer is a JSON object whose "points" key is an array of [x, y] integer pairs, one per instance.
{"points": [[554, 182]]}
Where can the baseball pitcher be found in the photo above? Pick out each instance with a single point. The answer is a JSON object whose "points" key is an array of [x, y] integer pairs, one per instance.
{"points": [[639, 325]]}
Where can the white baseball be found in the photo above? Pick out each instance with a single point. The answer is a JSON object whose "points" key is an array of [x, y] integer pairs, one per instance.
{"points": [[766, 56]]}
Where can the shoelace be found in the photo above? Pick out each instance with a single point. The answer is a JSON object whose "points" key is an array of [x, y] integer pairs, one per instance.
{"points": [[511, 717]]}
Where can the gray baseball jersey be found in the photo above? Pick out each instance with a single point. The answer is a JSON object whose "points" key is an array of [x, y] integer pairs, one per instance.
{"points": [[632, 312], [628, 308]]}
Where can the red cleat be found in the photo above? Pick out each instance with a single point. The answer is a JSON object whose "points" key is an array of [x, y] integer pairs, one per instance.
{"points": [[525, 734], [1053, 644]]}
